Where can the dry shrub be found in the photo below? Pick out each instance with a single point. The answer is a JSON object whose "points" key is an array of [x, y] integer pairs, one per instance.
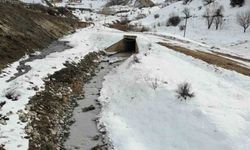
{"points": [[184, 91], [173, 21]]}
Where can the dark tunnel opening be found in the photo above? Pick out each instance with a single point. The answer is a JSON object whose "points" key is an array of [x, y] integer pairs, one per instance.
{"points": [[129, 45]]}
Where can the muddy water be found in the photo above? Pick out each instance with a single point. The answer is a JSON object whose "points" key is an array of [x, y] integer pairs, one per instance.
{"points": [[84, 133]]}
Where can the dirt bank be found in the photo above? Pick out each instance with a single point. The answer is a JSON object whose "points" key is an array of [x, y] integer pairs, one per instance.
{"points": [[27, 28]]}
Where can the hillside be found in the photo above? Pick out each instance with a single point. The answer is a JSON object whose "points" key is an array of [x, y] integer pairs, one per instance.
{"points": [[27, 28], [229, 37], [129, 80]]}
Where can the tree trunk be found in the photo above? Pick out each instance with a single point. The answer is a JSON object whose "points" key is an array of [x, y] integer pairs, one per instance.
{"points": [[185, 28]]}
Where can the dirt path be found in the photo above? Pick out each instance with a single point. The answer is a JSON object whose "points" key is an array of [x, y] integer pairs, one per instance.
{"points": [[214, 59], [84, 134]]}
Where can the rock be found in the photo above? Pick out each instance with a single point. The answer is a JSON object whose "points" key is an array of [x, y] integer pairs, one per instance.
{"points": [[95, 138], [29, 129], [53, 131], [23, 117], [35, 88], [86, 109], [2, 104], [3, 122]]}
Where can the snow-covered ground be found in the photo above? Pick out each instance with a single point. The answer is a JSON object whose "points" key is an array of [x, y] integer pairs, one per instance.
{"points": [[137, 116], [229, 38]]}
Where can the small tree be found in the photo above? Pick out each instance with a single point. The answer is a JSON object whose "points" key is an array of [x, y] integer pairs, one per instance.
{"points": [[208, 15], [187, 14], [218, 17], [243, 19], [214, 12]]}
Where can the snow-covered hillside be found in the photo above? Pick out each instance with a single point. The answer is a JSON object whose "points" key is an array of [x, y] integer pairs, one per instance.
{"points": [[141, 110], [140, 107], [229, 37]]}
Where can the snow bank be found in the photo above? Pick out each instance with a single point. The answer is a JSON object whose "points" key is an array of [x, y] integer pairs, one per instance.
{"points": [[138, 117]]}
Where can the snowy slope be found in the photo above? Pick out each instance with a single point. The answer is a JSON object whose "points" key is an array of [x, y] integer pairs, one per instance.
{"points": [[138, 117]]}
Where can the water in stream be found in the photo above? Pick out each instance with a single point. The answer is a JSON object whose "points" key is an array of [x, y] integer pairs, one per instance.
{"points": [[84, 133]]}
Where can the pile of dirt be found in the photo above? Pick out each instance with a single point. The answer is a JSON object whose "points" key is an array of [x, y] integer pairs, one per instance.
{"points": [[26, 28], [50, 109]]}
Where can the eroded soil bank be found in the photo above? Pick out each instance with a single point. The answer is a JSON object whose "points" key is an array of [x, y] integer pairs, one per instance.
{"points": [[25, 28]]}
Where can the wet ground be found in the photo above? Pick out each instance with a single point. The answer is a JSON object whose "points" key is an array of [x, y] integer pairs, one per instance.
{"points": [[84, 134], [57, 46]]}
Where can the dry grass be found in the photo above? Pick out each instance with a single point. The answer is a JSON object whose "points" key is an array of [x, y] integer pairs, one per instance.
{"points": [[210, 58]]}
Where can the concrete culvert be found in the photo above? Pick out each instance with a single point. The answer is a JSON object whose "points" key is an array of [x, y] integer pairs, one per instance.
{"points": [[126, 45]]}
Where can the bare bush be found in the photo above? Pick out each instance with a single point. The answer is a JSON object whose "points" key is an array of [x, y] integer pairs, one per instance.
{"points": [[218, 17], [174, 20], [156, 16], [206, 2], [187, 1], [234, 3], [152, 82], [184, 91], [243, 19]]}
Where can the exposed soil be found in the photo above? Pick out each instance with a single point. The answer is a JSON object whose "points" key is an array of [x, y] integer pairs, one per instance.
{"points": [[50, 109], [27, 28], [210, 58], [232, 56]]}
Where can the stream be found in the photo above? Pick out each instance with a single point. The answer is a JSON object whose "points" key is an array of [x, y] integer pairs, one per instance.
{"points": [[84, 134]]}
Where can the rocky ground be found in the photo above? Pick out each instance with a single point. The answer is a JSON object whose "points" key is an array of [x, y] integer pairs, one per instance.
{"points": [[50, 109]]}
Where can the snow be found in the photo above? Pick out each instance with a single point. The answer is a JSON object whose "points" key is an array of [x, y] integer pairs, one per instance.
{"points": [[229, 38], [138, 117]]}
